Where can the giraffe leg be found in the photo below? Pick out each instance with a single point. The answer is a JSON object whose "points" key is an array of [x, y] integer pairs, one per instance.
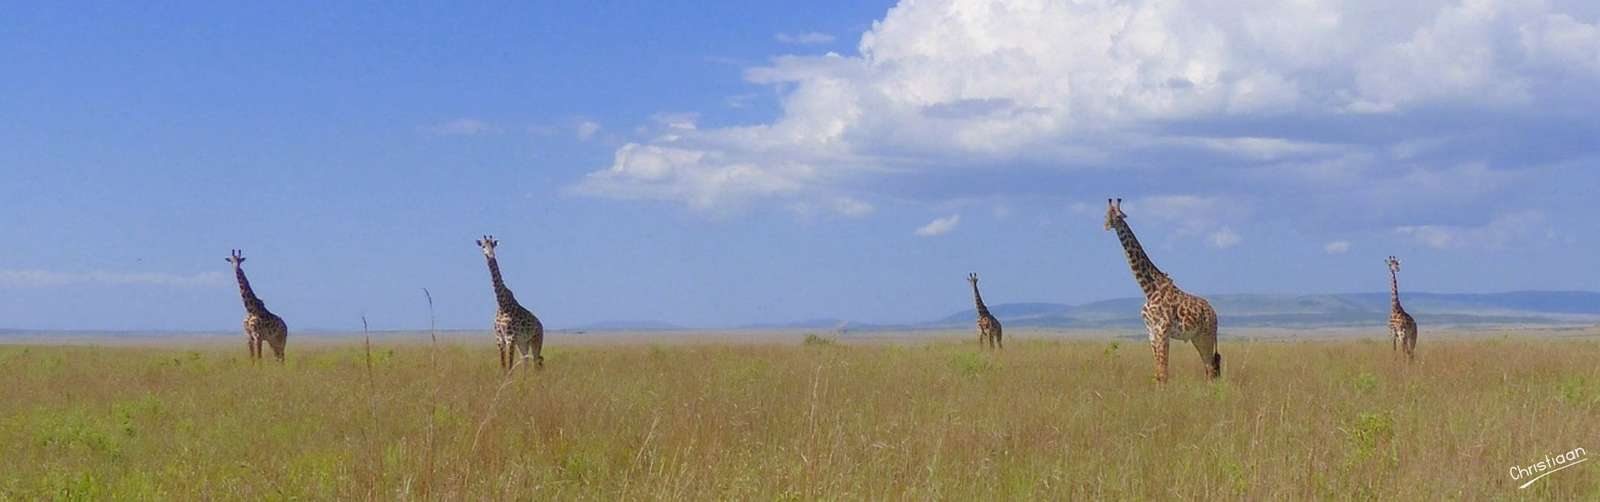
{"points": [[1160, 345], [999, 343], [537, 351], [1206, 345], [1156, 326], [277, 343], [500, 344]]}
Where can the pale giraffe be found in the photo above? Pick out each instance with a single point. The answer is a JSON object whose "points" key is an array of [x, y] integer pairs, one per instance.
{"points": [[259, 323], [1169, 312], [988, 326], [1401, 325], [516, 330]]}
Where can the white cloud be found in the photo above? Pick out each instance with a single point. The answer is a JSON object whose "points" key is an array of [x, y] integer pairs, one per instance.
{"points": [[703, 179], [460, 127], [939, 226], [808, 38], [681, 121], [1223, 238], [975, 84], [839, 205], [1497, 233], [46, 278], [851, 207], [1336, 247], [740, 100], [1264, 149], [586, 129], [1192, 214]]}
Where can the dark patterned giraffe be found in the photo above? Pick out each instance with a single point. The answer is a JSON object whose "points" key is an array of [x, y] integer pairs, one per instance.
{"points": [[516, 330], [259, 323], [1169, 313], [1401, 325], [988, 326]]}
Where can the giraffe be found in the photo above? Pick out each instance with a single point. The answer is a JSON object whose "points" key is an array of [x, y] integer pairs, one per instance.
{"points": [[1401, 325], [516, 330], [988, 326], [1168, 312], [259, 323]]}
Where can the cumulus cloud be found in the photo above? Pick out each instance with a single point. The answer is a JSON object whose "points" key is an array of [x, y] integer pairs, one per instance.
{"points": [[808, 38], [45, 278], [1495, 234], [460, 127], [972, 85], [939, 226], [1336, 247]]}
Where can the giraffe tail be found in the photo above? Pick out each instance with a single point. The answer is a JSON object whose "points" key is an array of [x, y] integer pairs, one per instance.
{"points": [[1216, 363]]}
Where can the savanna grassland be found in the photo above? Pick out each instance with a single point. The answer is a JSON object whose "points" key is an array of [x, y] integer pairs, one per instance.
{"points": [[1045, 419]]}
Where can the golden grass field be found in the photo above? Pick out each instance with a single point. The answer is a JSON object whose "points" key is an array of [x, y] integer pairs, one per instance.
{"points": [[1045, 419]]}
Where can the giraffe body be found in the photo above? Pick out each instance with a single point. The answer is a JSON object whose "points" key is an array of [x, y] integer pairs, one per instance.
{"points": [[260, 324], [517, 332], [1169, 313], [266, 327], [989, 330], [1402, 327]]}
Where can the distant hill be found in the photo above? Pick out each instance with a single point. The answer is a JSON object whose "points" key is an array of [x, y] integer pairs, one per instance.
{"points": [[1354, 309]]}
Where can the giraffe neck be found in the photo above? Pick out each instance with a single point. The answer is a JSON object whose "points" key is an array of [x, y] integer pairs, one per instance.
{"points": [[502, 294], [1394, 291], [1145, 272], [977, 299], [252, 304]]}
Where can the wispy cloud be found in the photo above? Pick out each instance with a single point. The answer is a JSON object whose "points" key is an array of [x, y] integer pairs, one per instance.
{"points": [[678, 121], [1223, 238], [586, 129], [939, 226], [460, 127], [46, 278], [1495, 234], [808, 38], [1195, 216], [1336, 247], [739, 100]]}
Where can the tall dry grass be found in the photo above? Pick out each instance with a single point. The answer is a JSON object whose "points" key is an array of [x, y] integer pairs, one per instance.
{"points": [[1043, 419]]}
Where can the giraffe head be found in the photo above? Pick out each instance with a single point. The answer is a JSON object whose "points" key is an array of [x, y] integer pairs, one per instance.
{"points": [[488, 243], [973, 278], [1114, 212], [235, 257], [1394, 264]]}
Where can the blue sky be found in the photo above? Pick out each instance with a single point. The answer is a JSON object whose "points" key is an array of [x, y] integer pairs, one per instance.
{"points": [[723, 163]]}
